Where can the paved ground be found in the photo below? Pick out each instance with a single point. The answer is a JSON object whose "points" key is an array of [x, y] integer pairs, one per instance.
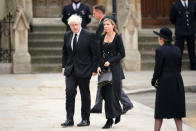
{"points": [[36, 102], [148, 99]]}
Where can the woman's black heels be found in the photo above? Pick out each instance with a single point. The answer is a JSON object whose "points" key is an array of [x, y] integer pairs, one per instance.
{"points": [[117, 120], [108, 124]]}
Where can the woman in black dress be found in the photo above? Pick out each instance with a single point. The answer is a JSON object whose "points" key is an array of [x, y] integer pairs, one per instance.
{"points": [[170, 95], [112, 51]]}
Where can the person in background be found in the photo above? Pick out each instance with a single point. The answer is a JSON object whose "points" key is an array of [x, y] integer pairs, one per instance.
{"points": [[99, 15], [170, 94], [76, 7], [183, 16]]}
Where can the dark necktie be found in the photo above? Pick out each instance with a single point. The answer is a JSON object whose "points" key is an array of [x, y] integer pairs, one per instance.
{"points": [[74, 41]]}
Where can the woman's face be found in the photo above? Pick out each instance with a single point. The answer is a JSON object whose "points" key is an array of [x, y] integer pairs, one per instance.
{"points": [[108, 27], [161, 41]]}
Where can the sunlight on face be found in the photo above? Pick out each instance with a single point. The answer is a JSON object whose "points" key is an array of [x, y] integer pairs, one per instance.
{"points": [[75, 27], [108, 27], [96, 14]]}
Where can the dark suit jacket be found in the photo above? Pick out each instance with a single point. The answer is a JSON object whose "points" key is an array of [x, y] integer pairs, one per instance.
{"points": [[83, 11], [183, 19], [84, 59]]}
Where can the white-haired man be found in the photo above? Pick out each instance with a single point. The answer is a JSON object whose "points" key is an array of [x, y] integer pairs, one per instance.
{"points": [[79, 63]]}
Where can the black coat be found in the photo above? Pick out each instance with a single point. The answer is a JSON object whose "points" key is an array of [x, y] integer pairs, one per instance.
{"points": [[83, 11], [183, 19], [84, 59], [170, 95], [118, 53]]}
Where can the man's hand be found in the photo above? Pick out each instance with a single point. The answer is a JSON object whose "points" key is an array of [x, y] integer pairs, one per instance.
{"points": [[107, 64], [94, 74], [98, 70]]}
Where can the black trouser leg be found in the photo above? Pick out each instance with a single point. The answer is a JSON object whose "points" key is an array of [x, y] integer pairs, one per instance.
{"points": [[71, 85], [85, 97], [125, 101], [99, 101], [180, 42], [191, 47]]}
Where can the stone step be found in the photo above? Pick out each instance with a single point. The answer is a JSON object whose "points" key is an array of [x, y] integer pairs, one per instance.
{"points": [[49, 28], [46, 43], [46, 35], [46, 59], [45, 51], [46, 68], [149, 65], [150, 55]]}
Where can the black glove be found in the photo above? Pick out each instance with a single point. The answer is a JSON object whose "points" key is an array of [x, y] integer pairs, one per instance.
{"points": [[154, 82]]}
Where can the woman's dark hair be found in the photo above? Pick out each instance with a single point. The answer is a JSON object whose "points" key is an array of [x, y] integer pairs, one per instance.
{"points": [[99, 7]]}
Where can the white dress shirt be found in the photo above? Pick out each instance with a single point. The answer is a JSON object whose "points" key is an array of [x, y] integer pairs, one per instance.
{"points": [[182, 1], [75, 6], [78, 34]]}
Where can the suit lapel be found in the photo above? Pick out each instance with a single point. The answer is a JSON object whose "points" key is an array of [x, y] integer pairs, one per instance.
{"points": [[69, 42]]}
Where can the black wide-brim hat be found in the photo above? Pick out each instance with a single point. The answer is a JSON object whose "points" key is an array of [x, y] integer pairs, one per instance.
{"points": [[165, 33]]}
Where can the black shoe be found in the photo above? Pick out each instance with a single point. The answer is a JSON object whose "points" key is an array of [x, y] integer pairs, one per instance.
{"points": [[84, 123], [68, 123], [95, 111], [108, 124], [125, 109], [117, 120]]}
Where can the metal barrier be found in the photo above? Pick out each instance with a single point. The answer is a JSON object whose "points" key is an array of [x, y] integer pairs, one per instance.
{"points": [[5, 29]]}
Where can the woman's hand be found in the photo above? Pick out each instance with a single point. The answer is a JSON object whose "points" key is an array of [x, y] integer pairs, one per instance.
{"points": [[63, 71], [98, 70], [107, 64]]}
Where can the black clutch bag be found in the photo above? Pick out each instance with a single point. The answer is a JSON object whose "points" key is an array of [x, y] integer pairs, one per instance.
{"points": [[105, 78]]}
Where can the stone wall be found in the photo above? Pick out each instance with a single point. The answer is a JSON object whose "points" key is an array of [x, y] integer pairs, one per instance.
{"points": [[2, 9]]}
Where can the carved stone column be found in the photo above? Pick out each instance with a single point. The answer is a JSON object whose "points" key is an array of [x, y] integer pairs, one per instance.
{"points": [[21, 57], [128, 22]]}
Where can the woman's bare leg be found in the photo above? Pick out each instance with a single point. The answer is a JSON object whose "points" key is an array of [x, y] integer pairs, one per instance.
{"points": [[157, 125], [178, 122]]}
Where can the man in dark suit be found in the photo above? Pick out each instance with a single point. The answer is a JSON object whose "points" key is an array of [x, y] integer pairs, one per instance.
{"points": [[76, 7], [99, 15], [79, 62], [183, 16]]}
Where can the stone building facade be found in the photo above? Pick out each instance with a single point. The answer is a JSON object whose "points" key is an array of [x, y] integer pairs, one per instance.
{"points": [[129, 13]]}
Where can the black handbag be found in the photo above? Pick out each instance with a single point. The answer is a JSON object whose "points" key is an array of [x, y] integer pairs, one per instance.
{"points": [[104, 79]]}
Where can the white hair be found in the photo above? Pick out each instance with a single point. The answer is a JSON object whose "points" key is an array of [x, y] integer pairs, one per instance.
{"points": [[75, 18]]}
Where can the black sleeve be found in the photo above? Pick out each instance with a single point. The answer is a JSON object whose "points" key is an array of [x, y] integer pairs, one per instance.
{"points": [[94, 48], [173, 13], [64, 51], [120, 50], [158, 64], [88, 14], [64, 16]]}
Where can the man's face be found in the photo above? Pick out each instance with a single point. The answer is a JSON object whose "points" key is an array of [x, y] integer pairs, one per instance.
{"points": [[75, 27], [96, 14]]}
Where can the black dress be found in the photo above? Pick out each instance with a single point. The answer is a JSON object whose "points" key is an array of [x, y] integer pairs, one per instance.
{"points": [[170, 95], [112, 52]]}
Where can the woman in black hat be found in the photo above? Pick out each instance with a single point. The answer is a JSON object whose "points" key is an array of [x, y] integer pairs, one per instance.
{"points": [[167, 79]]}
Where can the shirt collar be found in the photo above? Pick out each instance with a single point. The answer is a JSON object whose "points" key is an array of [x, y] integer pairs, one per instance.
{"points": [[76, 5], [183, 2]]}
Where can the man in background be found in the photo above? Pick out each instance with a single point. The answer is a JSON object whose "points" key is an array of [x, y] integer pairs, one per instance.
{"points": [[183, 16], [76, 7]]}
